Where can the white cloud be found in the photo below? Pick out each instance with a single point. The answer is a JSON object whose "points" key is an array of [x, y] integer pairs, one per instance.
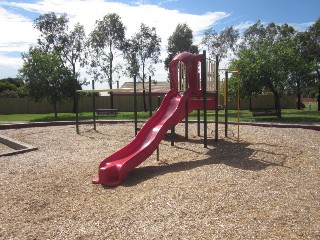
{"points": [[298, 26], [10, 62], [301, 26], [244, 26], [20, 32], [16, 30]]}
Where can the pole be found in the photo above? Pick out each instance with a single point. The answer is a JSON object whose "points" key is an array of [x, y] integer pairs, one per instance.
{"points": [[238, 107], [186, 127], [198, 110], [135, 105], [159, 101], [150, 97], [94, 107], [198, 122], [186, 130], [226, 105], [204, 92], [173, 133], [77, 113], [319, 99], [180, 77], [216, 100], [158, 151]]}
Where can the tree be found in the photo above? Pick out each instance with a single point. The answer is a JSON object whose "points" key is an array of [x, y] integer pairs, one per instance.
{"points": [[310, 42], [70, 46], [218, 45], [11, 88], [143, 50], [181, 40], [270, 60], [106, 42], [300, 71], [53, 31], [45, 76], [73, 48]]}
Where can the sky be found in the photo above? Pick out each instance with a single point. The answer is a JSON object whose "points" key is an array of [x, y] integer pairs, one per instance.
{"points": [[18, 33]]}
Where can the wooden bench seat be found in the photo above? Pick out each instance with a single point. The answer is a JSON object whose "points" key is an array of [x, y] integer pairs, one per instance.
{"points": [[264, 112]]}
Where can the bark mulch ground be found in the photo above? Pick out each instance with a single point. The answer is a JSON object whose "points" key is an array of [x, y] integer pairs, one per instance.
{"points": [[264, 187]]}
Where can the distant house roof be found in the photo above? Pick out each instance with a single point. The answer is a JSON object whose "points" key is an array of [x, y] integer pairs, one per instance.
{"points": [[156, 88]]}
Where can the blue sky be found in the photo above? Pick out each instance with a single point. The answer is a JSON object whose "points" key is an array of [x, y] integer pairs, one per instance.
{"points": [[17, 32]]}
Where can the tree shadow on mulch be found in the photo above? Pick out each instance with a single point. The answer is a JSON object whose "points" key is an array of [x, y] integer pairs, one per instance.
{"points": [[233, 154]]}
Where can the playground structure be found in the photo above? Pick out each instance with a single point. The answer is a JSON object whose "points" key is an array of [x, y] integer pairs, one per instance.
{"points": [[191, 89]]}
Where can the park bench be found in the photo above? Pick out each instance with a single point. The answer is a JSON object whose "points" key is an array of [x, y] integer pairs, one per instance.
{"points": [[102, 112], [264, 112]]}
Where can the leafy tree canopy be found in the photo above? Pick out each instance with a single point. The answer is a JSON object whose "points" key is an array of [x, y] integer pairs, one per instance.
{"points": [[219, 44], [270, 61], [106, 42], [68, 45], [11, 88], [181, 40], [143, 50], [310, 42], [45, 76], [53, 31]]}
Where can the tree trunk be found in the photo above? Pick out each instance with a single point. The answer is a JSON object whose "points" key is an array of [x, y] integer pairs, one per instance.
{"points": [[144, 91], [298, 95], [75, 84], [277, 104], [75, 96], [318, 73], [55, 110], [319, 99], [74, 103], [299, 101], [110, 76]]}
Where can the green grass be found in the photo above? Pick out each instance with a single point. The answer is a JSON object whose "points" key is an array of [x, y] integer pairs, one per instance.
{"points": [[288, 116], [305, 116], [8, 118]]}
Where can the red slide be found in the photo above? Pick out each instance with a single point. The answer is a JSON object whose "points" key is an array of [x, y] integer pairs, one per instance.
{"points": [[114, 169]]}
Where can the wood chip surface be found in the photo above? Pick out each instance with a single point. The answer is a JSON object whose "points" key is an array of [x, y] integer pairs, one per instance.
{"points": [[264, 187], [4, 148]]}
